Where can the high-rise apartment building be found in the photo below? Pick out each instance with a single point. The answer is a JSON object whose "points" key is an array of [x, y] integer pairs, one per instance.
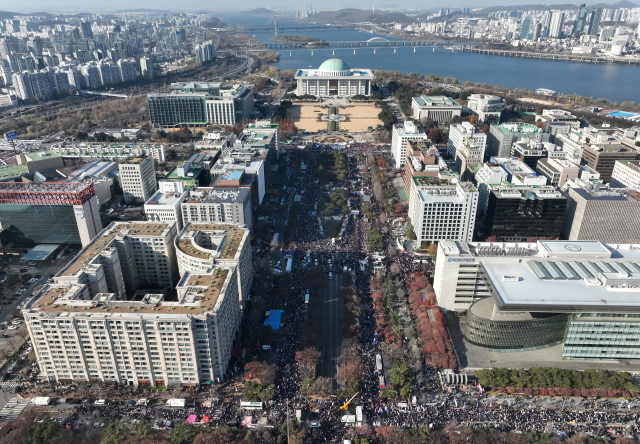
{"points": [[202, 247], [90, 323], [581, 20], [557, 22], [138, 179], [594, 21], [49, 213], [400, 135]]}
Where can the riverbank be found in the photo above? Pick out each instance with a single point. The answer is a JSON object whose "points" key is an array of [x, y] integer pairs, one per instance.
{"points": [[581, 58]]}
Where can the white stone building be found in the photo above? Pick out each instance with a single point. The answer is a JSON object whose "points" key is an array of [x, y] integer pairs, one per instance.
{"points": [[400, 134], [138, 179], [333, 78]]}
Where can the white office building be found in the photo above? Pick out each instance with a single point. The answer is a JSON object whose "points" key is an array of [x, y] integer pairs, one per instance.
{"points": [[488, 175], [442, 210], [164, 205], [464, 133], [487, 107], [440, 109], [400, 134], [333, 78], [138, 179], [218, 205], [626, 174]]}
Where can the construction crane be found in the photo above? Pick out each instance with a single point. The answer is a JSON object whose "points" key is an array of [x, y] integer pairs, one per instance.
{"points": [[346, 404]]}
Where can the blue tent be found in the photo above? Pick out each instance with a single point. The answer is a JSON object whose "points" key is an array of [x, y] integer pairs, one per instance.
{"points": [[274, 319]]}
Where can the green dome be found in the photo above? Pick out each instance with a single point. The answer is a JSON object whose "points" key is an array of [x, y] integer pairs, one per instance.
{"points": [[334, 65]]}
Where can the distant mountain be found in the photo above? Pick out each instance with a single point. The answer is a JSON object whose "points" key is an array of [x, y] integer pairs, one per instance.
{"points": [[4, 15], [361, 16], [259, 11], [620, 4]]}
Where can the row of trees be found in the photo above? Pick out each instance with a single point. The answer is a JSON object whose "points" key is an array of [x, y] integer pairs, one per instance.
{"points": [[259, 379], [542, 378], [387, 319], [435, 344], [385, 115]]}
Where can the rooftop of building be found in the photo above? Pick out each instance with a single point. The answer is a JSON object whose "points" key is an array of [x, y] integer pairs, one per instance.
{"points": [[200, 295], [103, 240], [159, 198], [608, 194], [48, 188], [9, 172], [436, 101], [517, 128], [632, 164], [41, 155], [190, 173], [133, 161], [227, 237], [216, 195], [510, 191]]}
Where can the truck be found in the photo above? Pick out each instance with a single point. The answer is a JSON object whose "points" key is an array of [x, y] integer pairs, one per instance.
{"points": [[41, 400], [289, 263], [176, 402]]}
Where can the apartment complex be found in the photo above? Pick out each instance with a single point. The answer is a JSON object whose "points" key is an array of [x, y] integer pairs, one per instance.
{"points": [[487, 107], [201, 104], [442, 210], [502, 137], [400, 135], [211, 205], [441, 109], [113, 151], [201, 247], [107, 315], [49, 213], [138, 179]]}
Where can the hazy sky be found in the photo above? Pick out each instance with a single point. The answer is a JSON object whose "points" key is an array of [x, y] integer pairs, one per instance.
{"points": [[191, 5]]}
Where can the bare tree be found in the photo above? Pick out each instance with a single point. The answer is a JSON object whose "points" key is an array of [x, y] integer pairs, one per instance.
{"points": [[322, 387]]}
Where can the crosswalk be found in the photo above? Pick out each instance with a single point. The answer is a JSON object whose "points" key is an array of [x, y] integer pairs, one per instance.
{"points": [[12, 409], [10, 384]]}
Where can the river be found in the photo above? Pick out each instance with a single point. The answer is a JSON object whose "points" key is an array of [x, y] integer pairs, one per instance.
{"points": [[616, 82]]}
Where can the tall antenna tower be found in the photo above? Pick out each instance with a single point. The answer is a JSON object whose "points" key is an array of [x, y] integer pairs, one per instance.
{"points": [[275, 25]]}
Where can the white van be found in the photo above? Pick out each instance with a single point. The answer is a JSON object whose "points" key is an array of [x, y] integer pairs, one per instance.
{"points": [[330, 275]]}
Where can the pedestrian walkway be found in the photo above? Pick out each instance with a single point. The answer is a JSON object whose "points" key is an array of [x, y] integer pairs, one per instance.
{"points": [[12, 409]]}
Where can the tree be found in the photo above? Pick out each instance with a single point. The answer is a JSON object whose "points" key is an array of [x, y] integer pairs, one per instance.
{"points": [[432, 250], [251, 391], [400, 375], [539, 110], [40, 432], [116, 432], [435, 135], [374, 240], [473, 119], [410, 234], [308, 359], [322, 387], [182, 434], [220, 435]]}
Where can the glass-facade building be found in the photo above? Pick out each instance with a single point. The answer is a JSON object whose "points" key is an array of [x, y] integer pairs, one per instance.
{"points": [[39, 224], [603, 336], [169, 110], [517, 215], [513, 331]]}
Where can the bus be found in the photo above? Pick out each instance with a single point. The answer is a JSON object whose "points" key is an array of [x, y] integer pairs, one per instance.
{"points": [[249, 405]]}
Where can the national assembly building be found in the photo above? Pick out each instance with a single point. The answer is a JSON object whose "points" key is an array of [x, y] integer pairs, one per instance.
{"points": [[334, 78], [524, 296]]}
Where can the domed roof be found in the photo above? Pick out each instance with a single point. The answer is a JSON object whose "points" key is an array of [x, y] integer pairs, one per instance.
{"points": [[333, 65]]}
